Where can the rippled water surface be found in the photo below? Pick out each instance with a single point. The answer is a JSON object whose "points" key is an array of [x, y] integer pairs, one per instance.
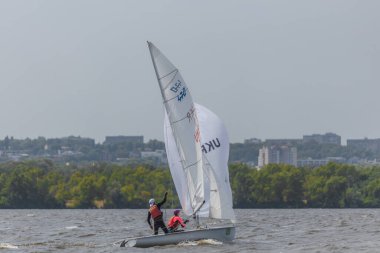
{"points": [[258, 230]]}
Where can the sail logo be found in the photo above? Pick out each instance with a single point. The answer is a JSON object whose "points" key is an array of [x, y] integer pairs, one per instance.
{"points": [[191, 114], [182, 94], [210, 146]]}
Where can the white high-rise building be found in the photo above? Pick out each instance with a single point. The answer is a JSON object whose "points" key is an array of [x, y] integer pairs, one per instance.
{"points": [[277, 154]]}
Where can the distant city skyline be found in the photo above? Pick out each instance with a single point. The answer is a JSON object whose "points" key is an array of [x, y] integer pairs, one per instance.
{"points": [[269, 69], [331, 138]]}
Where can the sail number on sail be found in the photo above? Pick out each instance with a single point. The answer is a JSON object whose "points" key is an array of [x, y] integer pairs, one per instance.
{"points": [[211, 145], [182, 94], [176, 87]]}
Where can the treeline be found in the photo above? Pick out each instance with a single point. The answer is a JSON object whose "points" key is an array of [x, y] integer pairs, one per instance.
{"points": [[43, 184], [284, 186]]}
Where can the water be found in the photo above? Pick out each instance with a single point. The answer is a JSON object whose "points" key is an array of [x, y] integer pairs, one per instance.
{"points": [[258, 230]]}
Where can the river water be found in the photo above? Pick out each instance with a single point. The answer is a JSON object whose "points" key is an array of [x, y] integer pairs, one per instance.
{"points": [[258, 230]]}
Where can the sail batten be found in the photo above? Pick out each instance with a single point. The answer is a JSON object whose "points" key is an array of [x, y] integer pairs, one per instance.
{"points": [[176, 70]]}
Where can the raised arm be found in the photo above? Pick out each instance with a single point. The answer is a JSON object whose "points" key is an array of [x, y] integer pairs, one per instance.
{"points": [[163, 201]]}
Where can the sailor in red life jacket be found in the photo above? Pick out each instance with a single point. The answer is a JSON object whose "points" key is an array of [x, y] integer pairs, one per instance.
{"points": [[175, 221], [156, 213]]}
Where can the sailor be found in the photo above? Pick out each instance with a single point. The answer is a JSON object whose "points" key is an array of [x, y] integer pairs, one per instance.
{"points": [[175, 221], [156, 213]]}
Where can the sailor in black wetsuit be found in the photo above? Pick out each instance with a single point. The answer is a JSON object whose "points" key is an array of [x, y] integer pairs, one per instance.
{"points": [[156, 213]]}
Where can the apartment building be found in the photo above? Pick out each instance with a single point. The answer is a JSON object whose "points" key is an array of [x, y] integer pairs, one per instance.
{"points": [[277, 154]]}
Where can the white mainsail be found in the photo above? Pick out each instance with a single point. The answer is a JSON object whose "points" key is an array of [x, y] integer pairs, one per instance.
{"points": [[196, 133], [184, 124]]}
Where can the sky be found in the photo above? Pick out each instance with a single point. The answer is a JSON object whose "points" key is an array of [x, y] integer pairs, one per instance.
{"points": [[269, 69]]}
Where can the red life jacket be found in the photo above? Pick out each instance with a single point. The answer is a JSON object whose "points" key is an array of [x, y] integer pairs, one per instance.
{"points": [[175, 221], [155, 211]]}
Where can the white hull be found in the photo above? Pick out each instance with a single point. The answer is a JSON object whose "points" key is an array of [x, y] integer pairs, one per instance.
{"points": [[224, 234]]}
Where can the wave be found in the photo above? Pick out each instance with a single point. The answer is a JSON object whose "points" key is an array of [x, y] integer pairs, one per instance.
{"points": [[71, 227], [200, 242], [7, 246]]}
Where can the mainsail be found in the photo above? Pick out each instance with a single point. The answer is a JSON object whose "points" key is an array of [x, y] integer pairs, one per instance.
{"points": [[197, 146], [184, 123]]}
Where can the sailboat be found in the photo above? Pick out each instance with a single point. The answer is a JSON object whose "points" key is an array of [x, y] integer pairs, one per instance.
{"points": [[197, 148]]}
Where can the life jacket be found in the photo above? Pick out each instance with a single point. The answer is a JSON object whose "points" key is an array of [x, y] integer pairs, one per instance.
{"points": [[155, 211], [175, 221]]}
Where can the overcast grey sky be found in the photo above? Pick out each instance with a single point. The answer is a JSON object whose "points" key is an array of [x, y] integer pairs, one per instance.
{"points": [[269, 69]]}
